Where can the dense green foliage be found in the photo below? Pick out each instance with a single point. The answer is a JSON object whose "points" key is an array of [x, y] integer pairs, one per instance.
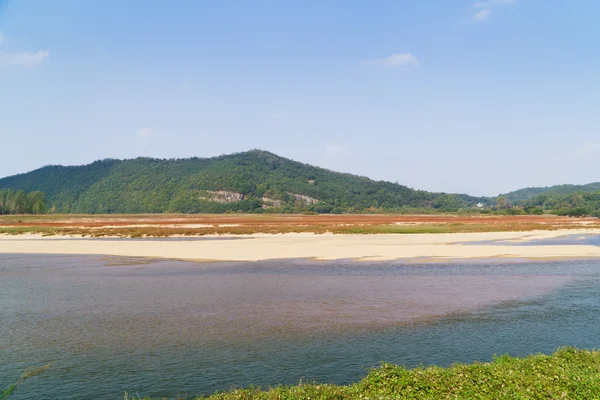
{"points": [[529, 193], [147, 185], [19, 202], [567, 374], [576, 204], [263, 181], [563, 200], [568, 200], [571, 203]]}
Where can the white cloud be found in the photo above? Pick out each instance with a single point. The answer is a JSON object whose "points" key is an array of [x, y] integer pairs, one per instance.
{"points": [[482, 15], [492, 3], [395, 60], [145, 132], [24, 59], [485, 8]]}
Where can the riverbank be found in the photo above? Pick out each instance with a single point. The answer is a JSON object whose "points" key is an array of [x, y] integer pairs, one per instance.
{"points": [[257, 247], [567, 374], [166, 225]]}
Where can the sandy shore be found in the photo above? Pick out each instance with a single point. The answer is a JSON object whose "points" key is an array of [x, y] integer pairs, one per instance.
{"points": [[322, 247]]}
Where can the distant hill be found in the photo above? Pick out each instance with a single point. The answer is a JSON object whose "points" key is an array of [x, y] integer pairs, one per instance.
{"points": [[253, 181], [530, 193]]}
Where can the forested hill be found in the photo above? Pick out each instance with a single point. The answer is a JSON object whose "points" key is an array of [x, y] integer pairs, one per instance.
{"points": [[253, 181], [529, 193]]}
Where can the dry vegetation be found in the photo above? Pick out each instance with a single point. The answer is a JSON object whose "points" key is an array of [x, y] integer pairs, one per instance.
{"points": [[162, 225]]}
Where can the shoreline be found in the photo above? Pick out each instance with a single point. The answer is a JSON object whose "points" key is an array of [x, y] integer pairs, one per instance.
{"points": [[437, 247], [532, 376]]}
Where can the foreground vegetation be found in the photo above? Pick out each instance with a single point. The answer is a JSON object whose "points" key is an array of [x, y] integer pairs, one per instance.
{"points": [[569, 373]]}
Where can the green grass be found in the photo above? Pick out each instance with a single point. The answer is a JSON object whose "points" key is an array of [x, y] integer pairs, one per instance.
{"points": [[44, 230], [569, 373], [383, 229]]}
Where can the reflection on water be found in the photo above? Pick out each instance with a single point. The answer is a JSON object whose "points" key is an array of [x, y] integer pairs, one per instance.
{"points": [[566, 240], [111, 325]]}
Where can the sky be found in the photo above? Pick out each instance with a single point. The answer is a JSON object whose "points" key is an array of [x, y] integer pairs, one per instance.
{"points": [[471, 96]]}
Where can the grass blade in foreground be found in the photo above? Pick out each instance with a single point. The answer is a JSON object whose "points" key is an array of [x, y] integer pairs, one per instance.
{"points": [[569, 373]]}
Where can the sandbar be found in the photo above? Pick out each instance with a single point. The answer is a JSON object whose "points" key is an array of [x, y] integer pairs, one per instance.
{"points": [[314, 246]]}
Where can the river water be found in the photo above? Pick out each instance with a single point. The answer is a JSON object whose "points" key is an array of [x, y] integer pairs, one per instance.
{"points": [[112, 325]]}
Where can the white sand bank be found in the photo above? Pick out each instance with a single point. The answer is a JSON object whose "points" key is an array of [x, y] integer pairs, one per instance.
{"points": [[323, 247]]}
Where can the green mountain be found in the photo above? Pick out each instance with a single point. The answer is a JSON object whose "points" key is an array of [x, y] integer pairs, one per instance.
{"points": [[253, 181], [532, 192]]}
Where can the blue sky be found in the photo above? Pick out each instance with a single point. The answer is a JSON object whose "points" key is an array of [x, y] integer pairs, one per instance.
{"points": [[480, 97]]}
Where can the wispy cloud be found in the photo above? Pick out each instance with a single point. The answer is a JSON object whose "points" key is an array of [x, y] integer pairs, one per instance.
{"points": [[482, 15], [145, 132], [21, 58], [24, 58], [485, 8], [492, 3], [395, 60]]}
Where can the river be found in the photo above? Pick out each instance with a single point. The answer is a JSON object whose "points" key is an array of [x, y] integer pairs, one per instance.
{"points": [[111, 325]]}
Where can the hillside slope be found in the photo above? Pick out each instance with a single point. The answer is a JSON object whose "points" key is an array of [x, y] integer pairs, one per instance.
{"points": [[251, 181], [529, 193]]}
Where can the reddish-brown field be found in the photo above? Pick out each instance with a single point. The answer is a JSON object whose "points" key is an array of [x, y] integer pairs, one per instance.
{"points": [[176, 224], [99, 221]]}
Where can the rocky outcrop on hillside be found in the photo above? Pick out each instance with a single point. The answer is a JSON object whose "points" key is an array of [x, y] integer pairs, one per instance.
{"points": [[304, 199], [271, 203], [221, 196]]}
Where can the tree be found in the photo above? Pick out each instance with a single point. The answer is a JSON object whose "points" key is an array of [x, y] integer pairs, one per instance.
{"points": [[501, 202], [19, 202], [36, 203], [577, 200]]}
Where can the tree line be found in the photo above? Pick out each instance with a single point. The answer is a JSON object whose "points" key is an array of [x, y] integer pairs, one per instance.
{"points": [[20, 202], [575, 204]]}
